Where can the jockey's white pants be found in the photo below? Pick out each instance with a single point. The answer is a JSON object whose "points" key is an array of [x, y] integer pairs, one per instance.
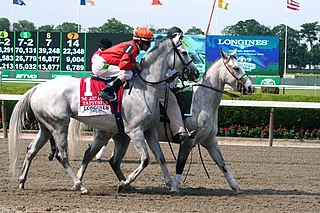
{"points": [[112, 71], [174, 113]]}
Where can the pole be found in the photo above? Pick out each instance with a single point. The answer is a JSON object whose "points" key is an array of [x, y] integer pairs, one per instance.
{"points": [[12, 6], [271, 126], [148, 14], [79, 18], [214, 3], [285, 46], [4, 119]]}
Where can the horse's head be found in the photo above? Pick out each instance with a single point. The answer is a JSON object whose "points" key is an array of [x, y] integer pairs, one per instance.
{"points": [[235, 76], [181, 61]]}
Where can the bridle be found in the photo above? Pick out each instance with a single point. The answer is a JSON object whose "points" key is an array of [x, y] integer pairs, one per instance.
{"points": [[240, 84], [185, 66]]}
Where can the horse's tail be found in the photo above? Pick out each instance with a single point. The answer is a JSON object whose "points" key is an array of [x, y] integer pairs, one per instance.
{"points": [[15, 129], [75, 136]]}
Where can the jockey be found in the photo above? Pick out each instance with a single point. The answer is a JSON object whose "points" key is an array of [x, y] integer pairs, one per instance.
{"points": [[105, 43], [119, 61], [173, 110]]}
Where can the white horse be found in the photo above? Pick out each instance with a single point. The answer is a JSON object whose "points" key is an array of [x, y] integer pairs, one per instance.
{"points": [[207, 97], [206, 100], [55, 102]]}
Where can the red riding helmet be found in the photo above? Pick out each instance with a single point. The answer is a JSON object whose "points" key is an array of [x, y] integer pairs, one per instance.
{"points": [[143, 34]]}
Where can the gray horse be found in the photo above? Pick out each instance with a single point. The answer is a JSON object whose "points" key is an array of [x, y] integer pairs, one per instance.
{"points": [[207, 97], [206, 100], [55, 102]]}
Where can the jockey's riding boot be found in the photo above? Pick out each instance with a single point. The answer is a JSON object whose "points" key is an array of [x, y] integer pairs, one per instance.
{"points": [[108, 93]]}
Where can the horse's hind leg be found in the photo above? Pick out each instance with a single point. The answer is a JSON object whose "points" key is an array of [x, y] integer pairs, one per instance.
{"points": [[214, 150], [101, 138], [32, 150], [53, 149], [121, 143], [152, 139]]}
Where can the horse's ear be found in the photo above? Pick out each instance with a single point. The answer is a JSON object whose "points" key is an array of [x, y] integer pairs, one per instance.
{"points": [[234, 52], [223, 54]]}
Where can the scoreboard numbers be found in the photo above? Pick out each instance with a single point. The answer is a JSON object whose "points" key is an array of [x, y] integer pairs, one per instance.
{"points": [[73, 51], [49, 51], [6, 50], [25, 54]]}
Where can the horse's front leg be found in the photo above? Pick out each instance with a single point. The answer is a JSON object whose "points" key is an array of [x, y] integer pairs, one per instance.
{"points": [[211, 144], [184, 151], [153, 142], [139, 143]]}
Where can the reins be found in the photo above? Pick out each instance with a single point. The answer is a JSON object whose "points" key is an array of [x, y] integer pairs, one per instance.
{"points": [[185, 67], [231, 71], [217, 90]]}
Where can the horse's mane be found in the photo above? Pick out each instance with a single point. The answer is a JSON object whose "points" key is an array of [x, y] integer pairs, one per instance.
{"points": [[152, 55], [205, 73]]}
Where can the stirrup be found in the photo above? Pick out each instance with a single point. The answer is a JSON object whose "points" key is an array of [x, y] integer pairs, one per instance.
{"points": [[192, 134], [107, 97]]}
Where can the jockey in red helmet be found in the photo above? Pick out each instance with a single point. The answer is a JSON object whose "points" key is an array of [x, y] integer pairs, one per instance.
{"points": [[121, 59]]}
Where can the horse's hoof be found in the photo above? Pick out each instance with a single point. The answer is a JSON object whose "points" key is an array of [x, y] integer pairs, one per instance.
{"points": [[238, 191], [21, 186], [125, 187], [169, 183], [84, 191], [175, 192], [50, 157]]}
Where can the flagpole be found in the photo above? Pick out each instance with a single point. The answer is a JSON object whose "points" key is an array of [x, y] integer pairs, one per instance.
{"points": [[285, 45], [214, 3], [148, 14], [12, 6], [79, 5]]}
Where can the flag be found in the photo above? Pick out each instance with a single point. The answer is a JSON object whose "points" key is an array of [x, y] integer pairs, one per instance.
{"points": [[223, 4], [87, 2], [19, 2], [293, 5], [156, 2]]}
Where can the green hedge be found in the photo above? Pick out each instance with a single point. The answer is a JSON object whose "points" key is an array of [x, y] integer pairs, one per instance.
{"points": [[260, 116]]}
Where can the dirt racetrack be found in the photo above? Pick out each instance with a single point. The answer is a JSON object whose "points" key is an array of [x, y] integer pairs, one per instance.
{"points": [[282, 178]]}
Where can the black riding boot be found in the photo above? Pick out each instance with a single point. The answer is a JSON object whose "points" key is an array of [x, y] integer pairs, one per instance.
{"points": [[108, 93]]}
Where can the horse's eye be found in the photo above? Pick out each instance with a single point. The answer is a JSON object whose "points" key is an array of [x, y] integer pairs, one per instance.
{"points": [[236, 68]]}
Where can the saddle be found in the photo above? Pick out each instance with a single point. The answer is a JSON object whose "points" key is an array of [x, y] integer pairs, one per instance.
{"points": [[115, 105], [184, 99]]}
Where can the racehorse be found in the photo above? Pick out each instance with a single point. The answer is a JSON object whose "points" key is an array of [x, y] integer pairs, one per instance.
{"points": [[55, 102], [207, 94]]}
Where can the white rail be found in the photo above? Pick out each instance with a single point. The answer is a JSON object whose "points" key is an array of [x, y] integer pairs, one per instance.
{"points": [[275, 104], [269, 104]]}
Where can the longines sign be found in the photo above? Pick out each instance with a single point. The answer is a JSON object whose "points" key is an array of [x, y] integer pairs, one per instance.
{"points": [[258, 55]]}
